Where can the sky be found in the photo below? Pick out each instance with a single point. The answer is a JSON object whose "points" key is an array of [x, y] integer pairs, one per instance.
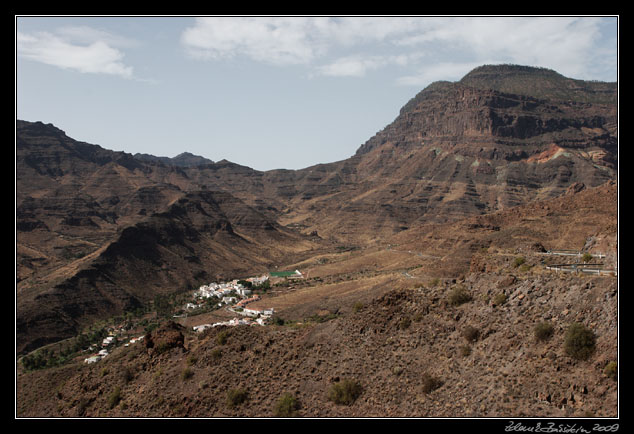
{"points": [[271, 92]]}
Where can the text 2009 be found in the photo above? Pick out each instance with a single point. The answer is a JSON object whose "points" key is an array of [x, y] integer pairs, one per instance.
{"points": [[607, 428]]}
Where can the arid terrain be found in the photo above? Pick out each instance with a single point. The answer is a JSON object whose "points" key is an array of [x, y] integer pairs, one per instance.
{"points": [[426, 261]]}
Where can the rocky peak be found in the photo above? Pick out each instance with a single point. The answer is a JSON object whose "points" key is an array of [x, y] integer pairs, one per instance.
{"points": [[185, 159], [504, 103], [540, 83]]}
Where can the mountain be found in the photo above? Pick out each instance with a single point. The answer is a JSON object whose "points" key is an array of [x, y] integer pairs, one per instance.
{"points": [[100, 233], [541, 83], [425, 256], [411, 352], [185, 159], [462, 148], [501, 137]]}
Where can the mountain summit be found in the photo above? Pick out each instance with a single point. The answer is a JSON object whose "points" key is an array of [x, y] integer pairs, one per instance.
{"points": [[540, 83], [184, 159]]}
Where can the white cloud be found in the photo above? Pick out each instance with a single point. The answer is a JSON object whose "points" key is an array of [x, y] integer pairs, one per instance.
{"points": [[351, 66], [440, 71], [352, 46], [286, 40], [562, 43], [87, 35], [276, 40], [358, 66], [94, 57]]}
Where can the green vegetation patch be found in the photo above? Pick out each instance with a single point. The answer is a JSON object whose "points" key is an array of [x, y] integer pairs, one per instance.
{"points": [[114, 398], [611, 370], [236, 397], [430, 383], [543, 331], [404, 323], [221, 338], [459, 295], [187, 374], [282, 273], [580, 341], [518, 261], [500, 299], [471, 334], [286, 406], [345, 392]]}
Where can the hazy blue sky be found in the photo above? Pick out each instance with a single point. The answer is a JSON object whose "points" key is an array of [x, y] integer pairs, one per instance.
{"points": [[271, 92]]}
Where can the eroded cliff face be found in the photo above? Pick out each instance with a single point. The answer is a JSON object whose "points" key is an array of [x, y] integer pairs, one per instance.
{"points": [[455, 150]]}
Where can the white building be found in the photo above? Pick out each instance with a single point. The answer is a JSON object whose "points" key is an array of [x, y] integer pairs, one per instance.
{"points": [[254, 311], [269, 311], [203, 327], [244, 291]]}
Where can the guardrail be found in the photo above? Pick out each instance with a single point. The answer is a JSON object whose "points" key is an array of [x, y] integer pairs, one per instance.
{"points": [[573, 253], [583, 268]]}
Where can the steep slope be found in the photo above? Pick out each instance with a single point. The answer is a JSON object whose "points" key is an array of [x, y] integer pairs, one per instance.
{"points": [[501, 137], [203, 236], [458, 150], [393, 344]]}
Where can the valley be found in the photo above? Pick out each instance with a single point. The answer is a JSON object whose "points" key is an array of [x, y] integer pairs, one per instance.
{"points": [[424, 273]]}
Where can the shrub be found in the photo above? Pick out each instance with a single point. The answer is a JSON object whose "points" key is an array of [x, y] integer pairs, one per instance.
{"points": [[216, 353], [579, 342], [404, 323], [543, 331], [587, 257], [278, 321], [430, 383], [357, 306], [287, 406], [345, 392], [471, 333], [235, 397], [458, 296], [162, 347], [127, 375], [82, 406], [114, 397], [465, 350], [500, 299], [525, 267], [187, 374], [221, 338], [518, 261], [611, 370]]}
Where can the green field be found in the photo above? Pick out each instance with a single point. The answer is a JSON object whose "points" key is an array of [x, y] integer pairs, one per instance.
{"points": [[282, 273]]}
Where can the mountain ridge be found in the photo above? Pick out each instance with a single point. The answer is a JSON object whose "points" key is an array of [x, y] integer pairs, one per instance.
{"points": [[425, 262], [453, 151], [184, 159]]}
